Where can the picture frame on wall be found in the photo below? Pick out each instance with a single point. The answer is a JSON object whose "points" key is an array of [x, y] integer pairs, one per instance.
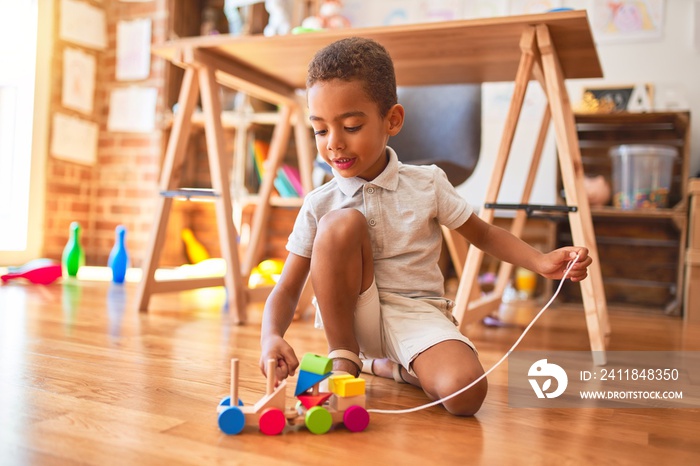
{"points": [[617, 98]]}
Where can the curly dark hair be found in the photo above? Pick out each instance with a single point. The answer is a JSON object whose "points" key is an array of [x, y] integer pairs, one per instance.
{"points": [[361, 59]]}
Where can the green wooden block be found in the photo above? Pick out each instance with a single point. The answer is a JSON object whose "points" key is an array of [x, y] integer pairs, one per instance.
{"points": [[316, 364]]}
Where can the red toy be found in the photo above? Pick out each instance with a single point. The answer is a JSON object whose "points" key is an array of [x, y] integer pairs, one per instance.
{"points": [[40, 272]]}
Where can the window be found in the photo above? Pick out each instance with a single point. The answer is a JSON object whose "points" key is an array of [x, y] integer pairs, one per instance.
{"points": [[18, 26]]}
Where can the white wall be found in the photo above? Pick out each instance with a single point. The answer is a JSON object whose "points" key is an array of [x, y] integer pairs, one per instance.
{"points": [[495, 103], [670, 63]]}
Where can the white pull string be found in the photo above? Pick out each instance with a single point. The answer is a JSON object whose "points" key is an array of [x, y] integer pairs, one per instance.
{"points": [[505, 356]]}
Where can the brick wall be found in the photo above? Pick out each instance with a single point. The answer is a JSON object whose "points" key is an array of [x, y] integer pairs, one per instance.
{"points": [[121, 187]]}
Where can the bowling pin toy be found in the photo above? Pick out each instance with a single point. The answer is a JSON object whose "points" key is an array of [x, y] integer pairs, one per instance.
{"points": [[119, 257], [73, 255], [196, 252]]}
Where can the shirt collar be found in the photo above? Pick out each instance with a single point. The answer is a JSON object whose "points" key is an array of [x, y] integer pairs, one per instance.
{"points": [[387, 179]]}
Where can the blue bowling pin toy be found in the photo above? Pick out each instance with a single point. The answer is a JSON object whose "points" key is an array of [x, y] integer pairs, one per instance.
{"points": [[119, 257]]}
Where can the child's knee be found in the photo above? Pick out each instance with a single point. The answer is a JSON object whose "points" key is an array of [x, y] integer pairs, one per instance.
{"points": [[343, 219], [341, 227], [469, 401]]}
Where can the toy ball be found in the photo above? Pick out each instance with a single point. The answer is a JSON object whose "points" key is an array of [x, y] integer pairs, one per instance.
{"points": [[266, 273]]}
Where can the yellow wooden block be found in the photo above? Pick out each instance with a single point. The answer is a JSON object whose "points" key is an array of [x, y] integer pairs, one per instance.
{"points": [[349, 387], [334, 381]]}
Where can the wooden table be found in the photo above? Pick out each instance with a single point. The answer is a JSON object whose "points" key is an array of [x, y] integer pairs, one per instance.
{"points": [[548, 48]]}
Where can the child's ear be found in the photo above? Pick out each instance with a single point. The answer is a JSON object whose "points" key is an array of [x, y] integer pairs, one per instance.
{"points": [[395, 119]]}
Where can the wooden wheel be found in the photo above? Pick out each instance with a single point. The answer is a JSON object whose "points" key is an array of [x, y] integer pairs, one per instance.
{"points": [[318, 420], [272, 421], [231, 420], [356, 418]]}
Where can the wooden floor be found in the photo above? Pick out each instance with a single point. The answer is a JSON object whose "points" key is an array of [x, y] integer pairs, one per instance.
{"points": [[85, 379]]}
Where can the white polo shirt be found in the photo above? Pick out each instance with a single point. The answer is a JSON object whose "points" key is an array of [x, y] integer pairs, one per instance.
{"points": [[404, 206]]}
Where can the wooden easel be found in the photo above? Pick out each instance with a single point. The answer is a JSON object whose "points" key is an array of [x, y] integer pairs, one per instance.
{"points": [[200, 80], [539, 60]]}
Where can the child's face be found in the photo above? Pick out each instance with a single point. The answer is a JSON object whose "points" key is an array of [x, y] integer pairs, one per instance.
{"points": [[351, 136]]}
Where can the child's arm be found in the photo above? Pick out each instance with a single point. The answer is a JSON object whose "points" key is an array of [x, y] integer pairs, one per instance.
{"points": [[501, 244], [278, 315]]}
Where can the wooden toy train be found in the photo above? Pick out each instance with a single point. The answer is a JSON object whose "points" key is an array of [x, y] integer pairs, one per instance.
{"points": [[344, 403]]}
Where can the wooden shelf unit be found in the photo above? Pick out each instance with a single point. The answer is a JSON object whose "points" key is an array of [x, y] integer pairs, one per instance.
{"points": [[251, 118], [641, 251]]}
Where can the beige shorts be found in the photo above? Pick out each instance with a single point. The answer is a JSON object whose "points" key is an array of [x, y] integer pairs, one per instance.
{"points": [[388, 325]]}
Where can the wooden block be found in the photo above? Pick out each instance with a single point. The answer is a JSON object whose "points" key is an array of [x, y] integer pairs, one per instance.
{"points": [[276, 399], [337, 416], [691, 291], [252, 417], [309, 401], [348, 386], [316, 364], [354, 387], [340, 403], [334, 381], [307, 380]]}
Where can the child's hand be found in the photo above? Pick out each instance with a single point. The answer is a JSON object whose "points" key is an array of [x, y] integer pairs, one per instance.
{"points": [[274, 347], [555, 263]]}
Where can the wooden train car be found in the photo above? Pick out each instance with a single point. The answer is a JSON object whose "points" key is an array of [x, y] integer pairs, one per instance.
{"points": [[342, 404]]}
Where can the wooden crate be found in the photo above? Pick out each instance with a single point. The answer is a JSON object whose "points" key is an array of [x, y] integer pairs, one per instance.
{"points": [[639, 259], [598, 133], [641, 251]]}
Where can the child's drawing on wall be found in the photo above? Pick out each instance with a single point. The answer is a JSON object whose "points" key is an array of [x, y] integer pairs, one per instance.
{"points": [[626, 20]]}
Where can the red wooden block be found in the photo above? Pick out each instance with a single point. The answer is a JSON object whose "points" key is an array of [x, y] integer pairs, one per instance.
{"points": [[309, 401]]}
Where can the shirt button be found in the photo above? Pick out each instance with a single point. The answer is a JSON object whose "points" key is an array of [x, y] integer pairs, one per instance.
{"points": [[370, 190], [372, 222]]}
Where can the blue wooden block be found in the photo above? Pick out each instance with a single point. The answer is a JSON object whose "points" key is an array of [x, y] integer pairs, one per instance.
{"points": [[307, 380]]}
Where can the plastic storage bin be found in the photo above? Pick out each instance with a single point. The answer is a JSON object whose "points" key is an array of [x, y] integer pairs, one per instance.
{"points": [[641, 175]]}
